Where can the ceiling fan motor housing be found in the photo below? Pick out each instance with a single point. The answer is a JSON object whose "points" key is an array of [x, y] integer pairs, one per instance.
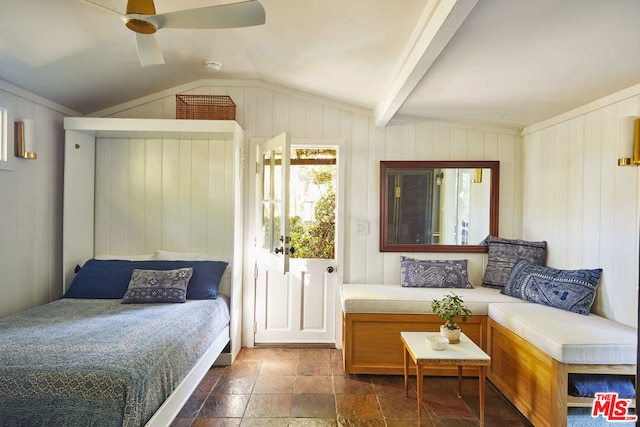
{"points": [[141, 7], [140, 26]]}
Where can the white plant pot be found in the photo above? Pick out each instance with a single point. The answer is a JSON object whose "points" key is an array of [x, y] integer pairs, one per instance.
{"points": [[453, 335]]}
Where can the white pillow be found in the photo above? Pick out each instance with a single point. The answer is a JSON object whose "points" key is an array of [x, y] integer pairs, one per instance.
{"points": [[142, 257], [187, 256], [225, 282]]}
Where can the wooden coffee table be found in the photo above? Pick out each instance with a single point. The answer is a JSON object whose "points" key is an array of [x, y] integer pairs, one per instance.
{"points": [[466, 353]]}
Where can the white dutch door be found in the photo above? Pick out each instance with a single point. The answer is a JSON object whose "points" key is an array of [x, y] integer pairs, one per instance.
{"points": [[296, 268]]}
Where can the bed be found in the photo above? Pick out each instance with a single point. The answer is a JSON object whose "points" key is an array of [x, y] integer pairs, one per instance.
{"points": [[135, 186], [113, 351], [78, 362]]}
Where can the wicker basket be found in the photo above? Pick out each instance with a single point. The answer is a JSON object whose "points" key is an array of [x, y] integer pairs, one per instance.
{"points": [[205, 107]]}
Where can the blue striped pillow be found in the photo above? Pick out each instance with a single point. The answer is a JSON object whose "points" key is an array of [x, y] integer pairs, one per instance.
{"points": [[503, 254]]}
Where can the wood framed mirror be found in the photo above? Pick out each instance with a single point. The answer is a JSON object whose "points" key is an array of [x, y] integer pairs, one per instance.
{"points": [[438, 206]]}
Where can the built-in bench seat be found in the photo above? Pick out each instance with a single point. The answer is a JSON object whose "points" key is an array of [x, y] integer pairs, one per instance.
{"points": [[539, 346], [376, 298], [375, 314], [533, 347]]}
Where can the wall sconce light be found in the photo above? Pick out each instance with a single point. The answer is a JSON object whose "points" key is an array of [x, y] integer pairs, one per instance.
{"points": [[478, 178], [635, 160], [25, 139], [439, 178]]}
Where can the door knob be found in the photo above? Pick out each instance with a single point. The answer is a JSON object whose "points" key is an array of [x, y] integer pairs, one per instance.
{"points": [[330, 269]]}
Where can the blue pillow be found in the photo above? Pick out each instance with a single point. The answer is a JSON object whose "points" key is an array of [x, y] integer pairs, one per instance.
{"points": [[503, 254], [434, 273], [571, 290], [150, 286], [109, 279]]}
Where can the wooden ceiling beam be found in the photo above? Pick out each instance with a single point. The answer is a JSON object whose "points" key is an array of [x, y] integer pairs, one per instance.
{"points": [[436, 26]]}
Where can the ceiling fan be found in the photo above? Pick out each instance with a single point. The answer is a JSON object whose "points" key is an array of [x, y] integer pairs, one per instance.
{"points": [[141, 18]]}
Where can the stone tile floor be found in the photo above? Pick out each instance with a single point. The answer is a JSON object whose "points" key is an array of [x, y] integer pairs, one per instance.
{"points": [[308, 387]]}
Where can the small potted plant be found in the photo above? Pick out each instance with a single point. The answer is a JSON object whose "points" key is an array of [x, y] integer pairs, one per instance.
{"points": [[450, 308]]}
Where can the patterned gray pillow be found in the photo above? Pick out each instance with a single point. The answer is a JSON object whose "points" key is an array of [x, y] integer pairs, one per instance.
{"points": [[571, 290], [434, 273], [503, 254], [147, 286]]}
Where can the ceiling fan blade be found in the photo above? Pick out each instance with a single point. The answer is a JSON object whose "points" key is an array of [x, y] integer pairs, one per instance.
{"points": [[243, 14], [99, 6], [149, 52]]}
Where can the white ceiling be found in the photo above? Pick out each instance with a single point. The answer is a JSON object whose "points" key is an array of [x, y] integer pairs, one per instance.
{"points": [[506, 62]]}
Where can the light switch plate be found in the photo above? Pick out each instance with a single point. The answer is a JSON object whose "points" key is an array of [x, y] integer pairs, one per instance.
{"points": [[362, 228]]}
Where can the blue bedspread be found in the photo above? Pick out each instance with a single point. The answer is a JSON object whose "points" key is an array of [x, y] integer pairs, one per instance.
{"points": [[100, 362]]}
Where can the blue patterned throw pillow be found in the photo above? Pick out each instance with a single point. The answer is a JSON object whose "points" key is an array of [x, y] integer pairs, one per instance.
{"points": [[503, 254], [571, 290], [147, 286], [434, 273]]}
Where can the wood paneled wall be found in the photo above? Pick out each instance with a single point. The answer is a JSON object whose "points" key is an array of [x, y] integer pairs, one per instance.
{"points": [[583, 204], [160, 194], [265, 110], [559, 183], [31, 207]]}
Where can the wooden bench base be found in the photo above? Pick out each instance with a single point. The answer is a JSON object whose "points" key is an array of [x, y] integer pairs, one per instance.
{"points": [[535, 383], [371, 342]]}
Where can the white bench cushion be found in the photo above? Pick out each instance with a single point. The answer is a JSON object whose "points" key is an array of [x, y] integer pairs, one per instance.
{"points": [[394, 299], [569, 337]]}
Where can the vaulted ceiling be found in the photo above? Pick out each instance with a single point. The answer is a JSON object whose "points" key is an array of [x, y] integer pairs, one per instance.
{"points": [[504, 62]]}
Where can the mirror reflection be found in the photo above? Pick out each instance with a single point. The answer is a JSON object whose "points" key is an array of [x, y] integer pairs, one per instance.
{"points": [[438, 206]]}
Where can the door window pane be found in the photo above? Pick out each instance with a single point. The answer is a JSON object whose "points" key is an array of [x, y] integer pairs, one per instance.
{"points": [[277, 175], [313, 202], [266, 176], [267, 225]]}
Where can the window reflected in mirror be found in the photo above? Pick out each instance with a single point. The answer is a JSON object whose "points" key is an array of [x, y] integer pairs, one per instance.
{"points": [[438, 206], [4, 140]]}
